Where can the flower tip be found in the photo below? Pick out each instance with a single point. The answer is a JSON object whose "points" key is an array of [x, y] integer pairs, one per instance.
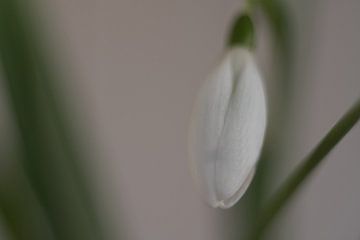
{"points": [[232, 200]]}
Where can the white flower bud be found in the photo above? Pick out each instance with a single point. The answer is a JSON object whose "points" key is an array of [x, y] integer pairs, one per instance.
{"points": [[227, 129]]}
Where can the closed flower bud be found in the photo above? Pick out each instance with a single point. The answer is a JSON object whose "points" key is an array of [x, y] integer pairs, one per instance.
{"points": [[227, 129]]}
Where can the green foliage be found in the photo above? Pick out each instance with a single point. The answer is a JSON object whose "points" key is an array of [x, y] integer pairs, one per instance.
{"points": [[48, 154]]}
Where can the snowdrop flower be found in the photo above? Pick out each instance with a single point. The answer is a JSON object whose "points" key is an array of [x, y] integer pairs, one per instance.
{"points": [[227, 129]]}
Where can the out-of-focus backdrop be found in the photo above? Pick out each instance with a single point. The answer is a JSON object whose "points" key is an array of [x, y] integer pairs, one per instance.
{"points": [[135, 68]]}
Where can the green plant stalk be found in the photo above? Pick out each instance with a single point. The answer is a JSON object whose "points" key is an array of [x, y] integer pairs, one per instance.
{"points": [[281, 24], [300, 174]]}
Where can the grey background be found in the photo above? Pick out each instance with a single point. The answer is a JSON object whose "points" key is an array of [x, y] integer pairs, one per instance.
{"points": [[137, 65]]}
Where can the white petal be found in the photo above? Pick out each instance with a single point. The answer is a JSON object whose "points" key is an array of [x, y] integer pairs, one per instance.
{"points": [[227, 129]]}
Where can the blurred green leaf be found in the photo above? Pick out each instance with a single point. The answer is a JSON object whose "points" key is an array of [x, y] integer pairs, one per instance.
{"points": [[49, 155], [24, 217]]}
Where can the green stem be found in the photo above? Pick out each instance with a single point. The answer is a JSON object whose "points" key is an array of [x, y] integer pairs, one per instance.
{"points": [[287, 190]]}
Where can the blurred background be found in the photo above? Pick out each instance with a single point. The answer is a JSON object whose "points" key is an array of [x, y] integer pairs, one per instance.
{"points": [[130, 73]]}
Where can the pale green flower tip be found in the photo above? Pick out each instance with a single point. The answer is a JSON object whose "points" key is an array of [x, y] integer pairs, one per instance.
{"points": [[242, 32]]}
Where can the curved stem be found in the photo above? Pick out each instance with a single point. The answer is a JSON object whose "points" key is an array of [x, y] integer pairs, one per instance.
{"points": [[287, 190]]}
